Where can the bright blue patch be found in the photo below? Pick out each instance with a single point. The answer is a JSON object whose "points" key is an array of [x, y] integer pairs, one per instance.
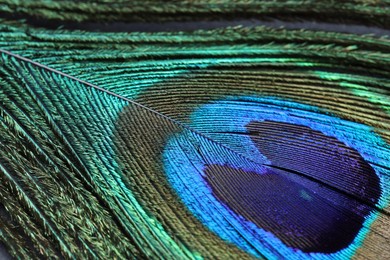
{"points": [[186, 155]]}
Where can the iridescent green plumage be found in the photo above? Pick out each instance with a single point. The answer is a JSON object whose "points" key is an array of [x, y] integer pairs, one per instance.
{"points": [[78, 174]]}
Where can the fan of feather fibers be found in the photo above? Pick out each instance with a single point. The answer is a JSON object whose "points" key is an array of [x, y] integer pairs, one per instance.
{"points": [[238, 142]]}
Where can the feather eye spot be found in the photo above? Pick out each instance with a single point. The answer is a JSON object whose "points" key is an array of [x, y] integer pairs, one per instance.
{"points": [[310, 175], [287, 183]]}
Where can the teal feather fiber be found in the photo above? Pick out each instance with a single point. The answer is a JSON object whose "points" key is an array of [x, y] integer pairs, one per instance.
{"points": [[98, 131]]}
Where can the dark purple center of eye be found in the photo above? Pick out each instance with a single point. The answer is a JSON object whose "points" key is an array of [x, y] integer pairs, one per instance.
{"points": [[315, 194]]}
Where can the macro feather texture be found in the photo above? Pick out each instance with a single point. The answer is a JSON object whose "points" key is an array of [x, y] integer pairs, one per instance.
{"points": [[232, 143], [358, 11]]}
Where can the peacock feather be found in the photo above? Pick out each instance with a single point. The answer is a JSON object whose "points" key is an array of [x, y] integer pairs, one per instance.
{"points": [[227, 143]]}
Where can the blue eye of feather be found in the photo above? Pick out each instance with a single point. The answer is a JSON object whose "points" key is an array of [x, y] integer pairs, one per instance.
{"points": [[296, 183]]}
